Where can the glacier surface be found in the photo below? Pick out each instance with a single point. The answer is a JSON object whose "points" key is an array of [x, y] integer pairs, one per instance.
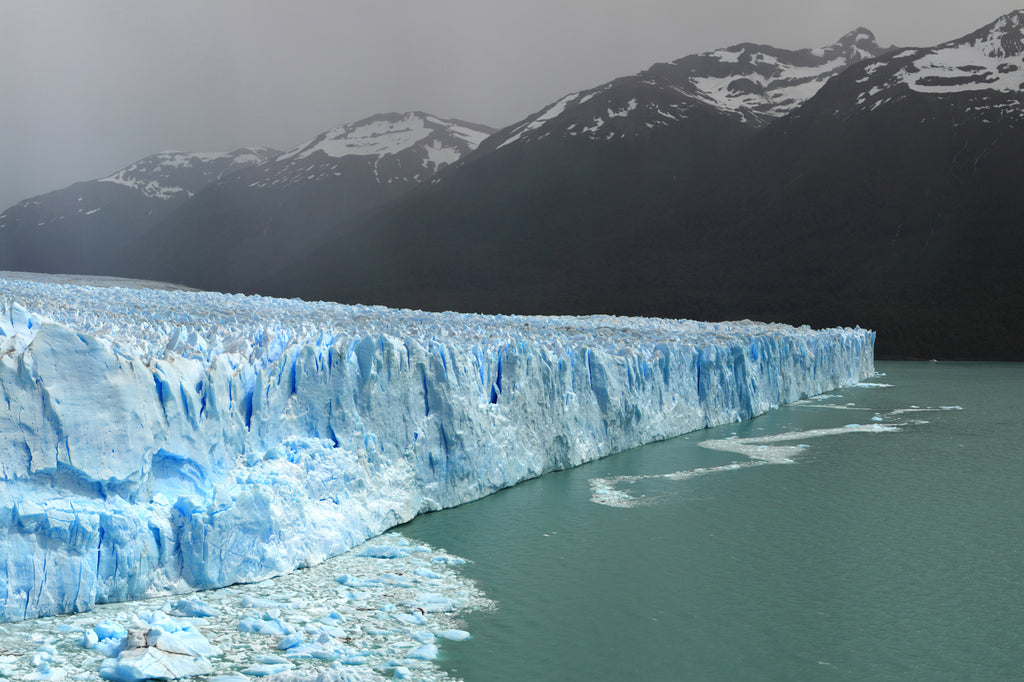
{"points": [[159, 442]]}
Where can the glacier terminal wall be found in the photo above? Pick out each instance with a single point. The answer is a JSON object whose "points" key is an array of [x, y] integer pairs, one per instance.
{"points": [[164, 441]]}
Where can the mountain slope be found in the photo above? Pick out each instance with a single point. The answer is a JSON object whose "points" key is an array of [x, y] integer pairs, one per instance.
{"points": [[571, 209], [888, 199], [749, 83], [267, 215], [78, 228], [894, 193]]}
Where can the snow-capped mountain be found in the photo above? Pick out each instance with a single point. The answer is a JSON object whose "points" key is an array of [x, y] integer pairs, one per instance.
{"points": [[846, 185], [248, 207], [167, 174], [400, 147], [983, 71], [79, 228], [170, 177], [750, 83], [291, 204]]}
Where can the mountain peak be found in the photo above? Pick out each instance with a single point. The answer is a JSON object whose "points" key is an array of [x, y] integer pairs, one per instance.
{"points": [[981, 70], [389, 133], [858, 36], [401, 146], [167, 174], [746, 82], [1001, 39], [857, 45]]}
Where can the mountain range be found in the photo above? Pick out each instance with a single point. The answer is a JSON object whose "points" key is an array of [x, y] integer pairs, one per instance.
{"points": [[850, 184], [78, 229], [269, 215]]}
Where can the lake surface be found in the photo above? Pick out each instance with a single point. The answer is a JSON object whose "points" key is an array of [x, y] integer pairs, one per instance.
{"points": [[890, 551]]}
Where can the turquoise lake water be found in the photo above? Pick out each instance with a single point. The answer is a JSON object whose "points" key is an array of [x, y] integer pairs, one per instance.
{"points": [[890, 551]]}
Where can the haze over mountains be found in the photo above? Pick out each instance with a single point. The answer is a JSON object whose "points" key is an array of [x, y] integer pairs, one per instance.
{"points": [[77, 229], [851, 184], [269, 215]]}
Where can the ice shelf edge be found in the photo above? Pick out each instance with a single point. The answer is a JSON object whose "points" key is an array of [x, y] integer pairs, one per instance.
{"points": [[140, 457]]}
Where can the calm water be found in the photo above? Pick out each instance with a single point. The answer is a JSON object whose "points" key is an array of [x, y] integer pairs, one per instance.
{"points": [[881, 554]]}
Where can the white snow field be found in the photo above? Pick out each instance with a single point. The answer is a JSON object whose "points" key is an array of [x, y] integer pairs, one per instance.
{"points": [[160, 442]]}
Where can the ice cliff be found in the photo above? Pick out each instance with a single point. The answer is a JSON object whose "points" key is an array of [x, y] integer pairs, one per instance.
{"points": [[161, 442]]}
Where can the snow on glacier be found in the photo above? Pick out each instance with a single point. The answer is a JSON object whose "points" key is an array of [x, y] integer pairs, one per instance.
{"points": [[157, 442]]}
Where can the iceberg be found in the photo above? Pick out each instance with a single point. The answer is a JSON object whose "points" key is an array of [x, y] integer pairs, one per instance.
{"points": [[162, 442]]}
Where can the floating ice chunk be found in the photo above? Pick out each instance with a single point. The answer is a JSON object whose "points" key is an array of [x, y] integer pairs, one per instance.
{"points": [[193, 608], [426, 652], [265, 626], [150, 663], [267, 669], [108, 630], [350, 581], [410, 618], [423, 637], [289, 641], [321, 651], [333, 618], [453, 635], [384, 552], [431, 603], [250, 602], [428, 574], [44, 672], [187, 641], [110, 648], [327, 675]]}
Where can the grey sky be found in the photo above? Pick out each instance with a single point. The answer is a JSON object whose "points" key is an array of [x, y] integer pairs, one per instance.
{"points": [[88, 86]]}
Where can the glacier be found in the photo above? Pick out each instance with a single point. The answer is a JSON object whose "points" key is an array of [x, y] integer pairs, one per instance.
{"points": [[161, 442]]}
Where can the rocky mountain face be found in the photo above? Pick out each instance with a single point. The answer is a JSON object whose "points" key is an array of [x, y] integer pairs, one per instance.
{"points": [[393, 148], [749, 183], [75, 229], [749, 83]]}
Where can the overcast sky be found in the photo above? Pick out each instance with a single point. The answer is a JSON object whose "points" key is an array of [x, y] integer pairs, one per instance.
{"points": [[89, 86]]}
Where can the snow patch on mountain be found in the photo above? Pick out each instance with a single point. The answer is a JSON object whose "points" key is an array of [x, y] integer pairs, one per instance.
{"points": [[168, 174], [748, 82], [963, 68], [160, 180], [630, 106], [983, 70], [989, 59], [372, 137], [774, 88], [548, 114], [397, 147]]}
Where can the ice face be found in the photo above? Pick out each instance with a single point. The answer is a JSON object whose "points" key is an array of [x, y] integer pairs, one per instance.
{"points": [[157, 442]]}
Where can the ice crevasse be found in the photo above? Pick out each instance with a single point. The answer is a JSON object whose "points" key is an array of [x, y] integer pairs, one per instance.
{"points": [[163, 441]]}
